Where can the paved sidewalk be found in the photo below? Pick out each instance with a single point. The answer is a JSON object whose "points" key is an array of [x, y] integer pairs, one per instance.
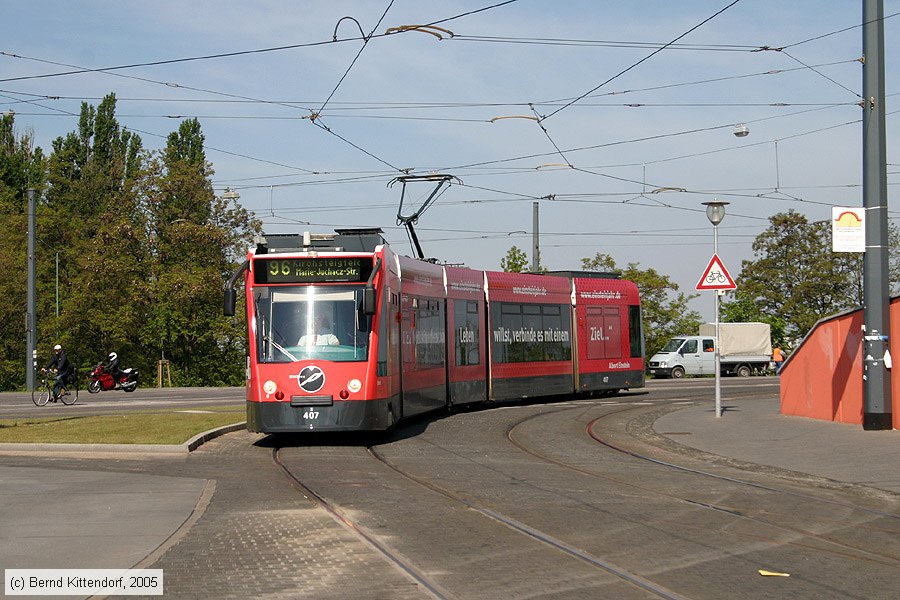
{"points": [[754, 430], [62, 518]]}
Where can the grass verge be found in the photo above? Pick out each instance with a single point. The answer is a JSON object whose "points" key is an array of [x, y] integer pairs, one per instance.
{"points": [[171, 427]]}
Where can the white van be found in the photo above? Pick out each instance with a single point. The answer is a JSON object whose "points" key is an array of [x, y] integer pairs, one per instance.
{"points": [[746, 348]]}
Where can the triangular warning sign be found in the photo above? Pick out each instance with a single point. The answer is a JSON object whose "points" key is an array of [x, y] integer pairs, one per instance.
{"points": [[716, 276]]}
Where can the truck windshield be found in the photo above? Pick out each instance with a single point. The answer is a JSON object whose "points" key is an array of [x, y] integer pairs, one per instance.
{"points": [[294, 323], [673, 345]]}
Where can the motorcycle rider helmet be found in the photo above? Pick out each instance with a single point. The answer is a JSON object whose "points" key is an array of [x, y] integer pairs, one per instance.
{"points": [[112, 356], [57, 348]]}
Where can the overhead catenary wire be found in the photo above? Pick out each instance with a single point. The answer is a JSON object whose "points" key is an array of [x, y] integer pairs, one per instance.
{"points": [[643, 60], [603, 43], [825, 35], [355, 58], [332, 107], [336, 105], [306, 170], [531, 169], [80, 70]]}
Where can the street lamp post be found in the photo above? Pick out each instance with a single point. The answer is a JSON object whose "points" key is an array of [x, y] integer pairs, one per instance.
{"points": [[715, 212]]}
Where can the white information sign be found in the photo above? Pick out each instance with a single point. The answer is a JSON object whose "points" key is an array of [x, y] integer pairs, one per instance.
{"points": [[848, 229]]}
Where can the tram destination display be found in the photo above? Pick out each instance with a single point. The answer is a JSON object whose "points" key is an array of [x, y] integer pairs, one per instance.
{"points": [[312, 270]]}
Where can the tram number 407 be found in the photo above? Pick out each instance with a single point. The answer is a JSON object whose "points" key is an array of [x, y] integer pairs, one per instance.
{"points": [[311, 414]]}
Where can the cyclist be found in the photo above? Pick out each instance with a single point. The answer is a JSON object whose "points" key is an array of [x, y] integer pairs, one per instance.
{"points": [[60, 362]]}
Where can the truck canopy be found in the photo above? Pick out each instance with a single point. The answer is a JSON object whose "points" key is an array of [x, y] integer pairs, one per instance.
{"points": [[736, 339]]}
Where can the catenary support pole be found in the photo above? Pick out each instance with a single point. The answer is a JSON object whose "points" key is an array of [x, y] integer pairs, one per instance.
{"points": [[876, 378], [535, 239], [30, 320]]}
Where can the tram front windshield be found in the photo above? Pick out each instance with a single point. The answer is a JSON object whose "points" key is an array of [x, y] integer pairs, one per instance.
{"points": [[310, 322]]}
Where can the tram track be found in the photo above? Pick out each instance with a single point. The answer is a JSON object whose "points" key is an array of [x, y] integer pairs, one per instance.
{"points": [[551, 541], [409, 568], [408, 456], [841, 549]]}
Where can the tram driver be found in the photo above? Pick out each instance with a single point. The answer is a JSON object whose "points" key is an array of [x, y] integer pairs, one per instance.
{"points": [[321, 334]]}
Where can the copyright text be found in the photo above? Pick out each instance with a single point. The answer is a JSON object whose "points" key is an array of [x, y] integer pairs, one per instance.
{"points": [[81, 582]]}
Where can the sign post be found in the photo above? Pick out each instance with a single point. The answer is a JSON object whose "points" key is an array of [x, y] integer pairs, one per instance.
{"points": [[717, 278]]}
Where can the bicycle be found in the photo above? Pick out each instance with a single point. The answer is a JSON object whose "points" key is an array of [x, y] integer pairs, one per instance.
{"points": [[717, 277], [43, 393]]}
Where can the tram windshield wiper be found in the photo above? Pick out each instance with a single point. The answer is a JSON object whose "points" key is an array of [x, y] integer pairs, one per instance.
{"points": [[278, 347]]}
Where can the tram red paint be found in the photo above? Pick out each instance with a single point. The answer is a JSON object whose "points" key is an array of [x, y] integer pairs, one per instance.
{"points": [[438, 335]]}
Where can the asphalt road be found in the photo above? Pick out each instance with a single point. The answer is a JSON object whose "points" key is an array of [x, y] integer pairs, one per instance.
{"points": [[19, 405]]}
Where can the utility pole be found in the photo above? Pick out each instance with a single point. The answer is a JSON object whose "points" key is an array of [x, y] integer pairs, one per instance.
{"points": [[30, 320], [535, 239], [876, 313]]}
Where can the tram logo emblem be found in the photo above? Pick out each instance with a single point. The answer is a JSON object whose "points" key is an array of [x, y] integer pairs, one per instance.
{"points": [[311, 379]]}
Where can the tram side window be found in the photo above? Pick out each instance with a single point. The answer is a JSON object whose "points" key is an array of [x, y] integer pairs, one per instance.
{"points": [[429, 331], [531, 332], [635, 332], [388, 309], [468, 334]]}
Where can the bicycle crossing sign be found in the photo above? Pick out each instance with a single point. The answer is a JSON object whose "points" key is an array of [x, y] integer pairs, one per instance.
{"points": [[716, 276]]}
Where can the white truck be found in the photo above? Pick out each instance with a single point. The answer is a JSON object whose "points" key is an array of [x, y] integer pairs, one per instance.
{"points": [[745, 348]]}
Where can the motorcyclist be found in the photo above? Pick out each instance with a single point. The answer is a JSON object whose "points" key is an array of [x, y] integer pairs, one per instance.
{"points": [[111, 366], [64, 370]]}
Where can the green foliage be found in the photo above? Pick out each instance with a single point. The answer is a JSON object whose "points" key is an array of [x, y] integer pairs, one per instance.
{"points": [[515, 261], [743, 310], [795, 279], [143, 246], [21, 166], [663, 308]]}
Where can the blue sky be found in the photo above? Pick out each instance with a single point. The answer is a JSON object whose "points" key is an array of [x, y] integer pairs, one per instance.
{"points": [[413, 101]]}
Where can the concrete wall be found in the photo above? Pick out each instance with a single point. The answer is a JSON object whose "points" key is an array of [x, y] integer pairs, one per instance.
{"points": [[823, 377]]}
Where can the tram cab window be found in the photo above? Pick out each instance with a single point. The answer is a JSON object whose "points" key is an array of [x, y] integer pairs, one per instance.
{"points": [[327, 319]]}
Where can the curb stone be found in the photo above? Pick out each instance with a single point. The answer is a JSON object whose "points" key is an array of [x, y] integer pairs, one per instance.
{"points": [[185, 448]]}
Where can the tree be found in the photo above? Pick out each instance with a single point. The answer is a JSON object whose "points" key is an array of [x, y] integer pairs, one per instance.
{"points": [[144, 248], [93, 218], [515, 261], [743, 310], [195, 238], [21, 167], [663, 308], [795, 279]]}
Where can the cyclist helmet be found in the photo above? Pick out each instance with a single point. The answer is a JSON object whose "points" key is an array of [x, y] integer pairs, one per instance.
{"points": [[112, 356], [57, 348]]}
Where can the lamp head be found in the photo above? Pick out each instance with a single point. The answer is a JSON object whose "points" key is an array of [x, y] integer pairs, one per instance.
{"points": [[715, 211], [741, 130]]}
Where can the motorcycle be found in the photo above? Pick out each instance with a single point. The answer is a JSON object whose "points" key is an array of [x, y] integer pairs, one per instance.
{"points": [[99, 379]]}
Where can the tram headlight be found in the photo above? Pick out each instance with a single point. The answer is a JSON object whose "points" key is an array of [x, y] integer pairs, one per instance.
{"points": [[269, 387], [354, 385]]}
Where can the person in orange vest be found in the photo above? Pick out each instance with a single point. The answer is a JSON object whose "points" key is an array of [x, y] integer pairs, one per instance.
{"points": [[778, 358]]}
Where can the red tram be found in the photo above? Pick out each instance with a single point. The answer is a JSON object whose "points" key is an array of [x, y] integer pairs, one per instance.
{"points": [[399, 336]]}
